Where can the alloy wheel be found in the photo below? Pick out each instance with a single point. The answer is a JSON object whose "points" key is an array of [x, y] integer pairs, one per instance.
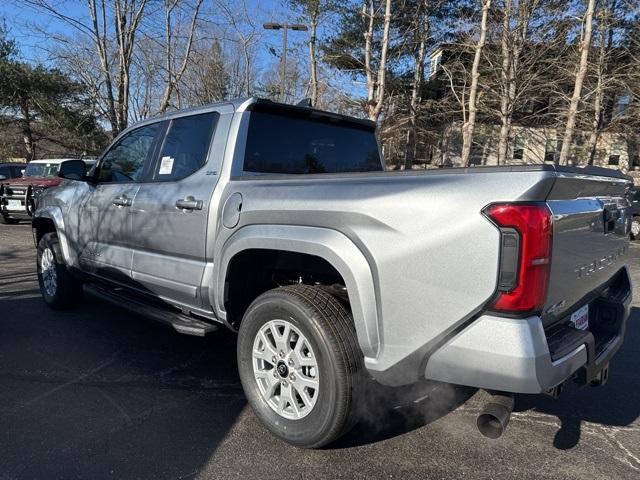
{"points": [[48, 272], [286, 369]]}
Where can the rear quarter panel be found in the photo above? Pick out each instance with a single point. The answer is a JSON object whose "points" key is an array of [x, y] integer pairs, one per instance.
{"points": [[432, 254]]}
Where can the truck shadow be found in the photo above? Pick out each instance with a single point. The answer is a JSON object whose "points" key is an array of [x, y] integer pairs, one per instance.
{"points": [[96, 390], [617, 404]]}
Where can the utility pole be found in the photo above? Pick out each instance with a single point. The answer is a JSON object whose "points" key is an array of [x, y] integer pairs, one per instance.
{"points": [[284, 27]]}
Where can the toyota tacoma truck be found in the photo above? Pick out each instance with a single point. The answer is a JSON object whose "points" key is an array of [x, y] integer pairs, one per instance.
{"points": [[281, 223], [18, 196]]}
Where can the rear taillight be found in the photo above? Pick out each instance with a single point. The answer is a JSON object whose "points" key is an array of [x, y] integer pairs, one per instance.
{"points": [[526, 239]]}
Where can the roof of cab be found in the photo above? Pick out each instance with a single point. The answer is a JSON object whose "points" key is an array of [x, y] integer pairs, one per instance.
{"points": [[244, 104]]}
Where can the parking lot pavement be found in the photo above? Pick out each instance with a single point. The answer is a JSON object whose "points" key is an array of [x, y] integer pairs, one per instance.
{"points": [[100, 393]]}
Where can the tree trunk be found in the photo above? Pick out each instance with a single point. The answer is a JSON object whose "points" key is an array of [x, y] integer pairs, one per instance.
{"points": [[597, 103], [596, 124], [174, 76], [505, 76], [376, 84], [27, 132], [100, 41], [313, 61], [368, 14], [577, 88], [418, 78], [247, 69], [469, 125]]}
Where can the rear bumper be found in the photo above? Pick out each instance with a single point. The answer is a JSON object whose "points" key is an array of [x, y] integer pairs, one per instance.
{"points": [[520, 356]]}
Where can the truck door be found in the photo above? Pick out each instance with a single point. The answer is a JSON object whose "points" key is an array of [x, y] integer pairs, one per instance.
{"points": [[170, 213], [104, 221]]}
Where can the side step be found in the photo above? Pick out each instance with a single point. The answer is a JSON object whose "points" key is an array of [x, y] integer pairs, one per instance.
{"points": [[136, 303]]}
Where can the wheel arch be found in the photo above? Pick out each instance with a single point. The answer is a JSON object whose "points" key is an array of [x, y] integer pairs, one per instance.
{"points": [[329, 245], [50, 219]]}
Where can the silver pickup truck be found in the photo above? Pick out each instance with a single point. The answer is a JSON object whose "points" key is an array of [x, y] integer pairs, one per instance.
{"points": [[279, 222]]}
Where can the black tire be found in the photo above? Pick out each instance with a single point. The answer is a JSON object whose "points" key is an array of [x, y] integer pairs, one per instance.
{"points": [[68, 289], [635, 220], [328, 326], [8, 220]]}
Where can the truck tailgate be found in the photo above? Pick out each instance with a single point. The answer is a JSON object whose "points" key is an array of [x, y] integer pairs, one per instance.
{"points": [[591, 221]]}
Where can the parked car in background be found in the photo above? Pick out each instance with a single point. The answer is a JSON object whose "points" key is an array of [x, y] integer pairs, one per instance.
{"points": [[634, 198], [19, 195], [11, 170]]}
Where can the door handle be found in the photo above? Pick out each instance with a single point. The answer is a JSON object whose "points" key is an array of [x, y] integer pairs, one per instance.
{"points": [[122, 201], [189, 203]]}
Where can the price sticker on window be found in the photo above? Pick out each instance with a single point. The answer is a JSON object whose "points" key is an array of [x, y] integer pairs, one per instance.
{"points": [[166, 165]]}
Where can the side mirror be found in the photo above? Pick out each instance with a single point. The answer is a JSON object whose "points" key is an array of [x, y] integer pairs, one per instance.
{"points": [[72, 170]]}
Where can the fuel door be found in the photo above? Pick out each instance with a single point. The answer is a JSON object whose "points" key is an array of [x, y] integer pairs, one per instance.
{"points": [[231, 210]]}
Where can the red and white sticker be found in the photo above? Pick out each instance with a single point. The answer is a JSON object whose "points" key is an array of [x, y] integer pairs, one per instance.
{"points": [[580, 318]]}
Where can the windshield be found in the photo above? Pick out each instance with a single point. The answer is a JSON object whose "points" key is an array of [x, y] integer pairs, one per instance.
{"points": [[42, 170]]}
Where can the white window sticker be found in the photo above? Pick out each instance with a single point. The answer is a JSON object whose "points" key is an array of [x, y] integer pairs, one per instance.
{"points": [[166, 165]]}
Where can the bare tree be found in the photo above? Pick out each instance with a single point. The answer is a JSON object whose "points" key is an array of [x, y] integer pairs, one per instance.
{"points": [[312, 10], [175, 72], [421, 34], [581, 72], [469, 124], [376, 80], [207, 79], [605, 72], [245, 35], [513, 41], [126, 16], [314, 17]]}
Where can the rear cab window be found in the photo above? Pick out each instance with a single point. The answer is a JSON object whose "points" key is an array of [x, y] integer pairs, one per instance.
{"points": [[308, 142]]}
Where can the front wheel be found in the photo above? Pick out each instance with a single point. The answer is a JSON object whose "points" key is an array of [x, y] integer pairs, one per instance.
{"points": [[635, 228], [300, 364], [58, 287]]}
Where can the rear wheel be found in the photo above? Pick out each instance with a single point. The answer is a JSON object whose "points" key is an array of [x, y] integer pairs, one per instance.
{"points": [[635, 228], [300, 364], [58, 287]]}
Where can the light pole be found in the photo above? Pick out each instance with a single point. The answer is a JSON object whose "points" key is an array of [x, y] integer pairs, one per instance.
{"points": [[284, 27]]}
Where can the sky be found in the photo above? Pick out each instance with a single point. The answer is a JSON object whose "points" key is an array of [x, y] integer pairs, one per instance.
{"points": [[23, 24]]}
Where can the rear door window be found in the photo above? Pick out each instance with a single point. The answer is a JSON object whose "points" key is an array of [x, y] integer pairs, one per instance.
{"points": [[300, 144], [185, 146]]}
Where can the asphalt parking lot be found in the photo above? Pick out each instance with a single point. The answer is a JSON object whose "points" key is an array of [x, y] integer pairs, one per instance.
{"points": [[100, 393]]}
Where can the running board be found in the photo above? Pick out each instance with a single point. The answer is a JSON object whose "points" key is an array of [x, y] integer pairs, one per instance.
{"points": [[179, 321]]}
